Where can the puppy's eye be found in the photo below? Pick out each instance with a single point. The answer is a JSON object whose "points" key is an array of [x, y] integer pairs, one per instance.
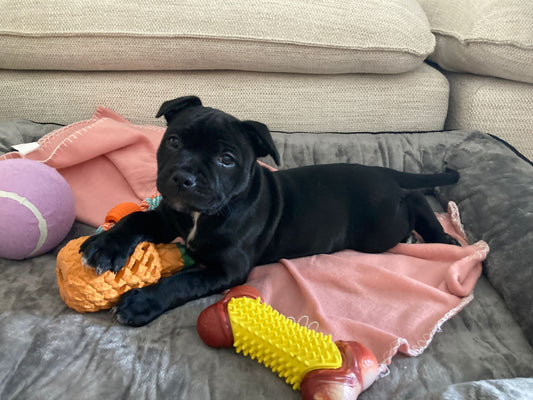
{"points": [[173, 142], [226, 160]]}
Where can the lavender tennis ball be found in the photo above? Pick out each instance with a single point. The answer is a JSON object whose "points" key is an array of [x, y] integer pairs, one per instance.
{"points": [[36, 208]]}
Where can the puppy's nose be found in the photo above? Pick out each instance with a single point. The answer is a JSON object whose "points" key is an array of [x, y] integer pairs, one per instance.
{"points": [[185, 180]]}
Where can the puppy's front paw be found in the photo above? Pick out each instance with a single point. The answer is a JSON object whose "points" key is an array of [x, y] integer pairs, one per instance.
{"points": [[137, 308], [106, 252]]}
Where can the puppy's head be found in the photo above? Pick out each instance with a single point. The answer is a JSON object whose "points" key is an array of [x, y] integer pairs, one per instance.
{"points": [[207, 157]]}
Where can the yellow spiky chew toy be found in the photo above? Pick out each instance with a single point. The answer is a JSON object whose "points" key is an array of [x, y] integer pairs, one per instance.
{"points": [[307, 360], [287, 348]]}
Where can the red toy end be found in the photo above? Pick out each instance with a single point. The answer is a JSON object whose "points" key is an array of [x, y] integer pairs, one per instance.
{"points": [[213, 324], [358, 371]]}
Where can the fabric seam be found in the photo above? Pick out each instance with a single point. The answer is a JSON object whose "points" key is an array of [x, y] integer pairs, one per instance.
{"points": [[471, 40], [225, 38]]}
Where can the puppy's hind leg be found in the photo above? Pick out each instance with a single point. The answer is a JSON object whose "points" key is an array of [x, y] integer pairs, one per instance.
{"points": [[425, 221]]}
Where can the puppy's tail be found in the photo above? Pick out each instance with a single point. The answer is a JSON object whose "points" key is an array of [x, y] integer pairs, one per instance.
{"points": [[418, 181]]}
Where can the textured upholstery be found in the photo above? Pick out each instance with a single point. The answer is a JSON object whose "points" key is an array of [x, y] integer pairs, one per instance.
{"points": [[413, 101], [309, 36], [501, 107], [484, 37]]}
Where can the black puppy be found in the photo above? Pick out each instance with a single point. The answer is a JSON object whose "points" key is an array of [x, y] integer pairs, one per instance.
{"points": [[235, 214]]}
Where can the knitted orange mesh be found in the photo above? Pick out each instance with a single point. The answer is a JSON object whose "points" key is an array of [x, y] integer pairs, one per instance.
{"points": [[85, 291]]}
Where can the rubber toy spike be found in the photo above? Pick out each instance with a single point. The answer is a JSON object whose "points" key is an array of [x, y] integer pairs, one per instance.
{"points": [[307, 360]]}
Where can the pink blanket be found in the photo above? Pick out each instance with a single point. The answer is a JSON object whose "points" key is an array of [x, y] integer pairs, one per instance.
{"points": [[394, 301], [106, 160], [390, 302]]}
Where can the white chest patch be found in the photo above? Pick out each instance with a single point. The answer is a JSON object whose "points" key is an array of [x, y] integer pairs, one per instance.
{"points": [[194, 229]]}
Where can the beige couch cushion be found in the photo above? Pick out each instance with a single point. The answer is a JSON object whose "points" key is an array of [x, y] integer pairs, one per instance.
{"points": [[485, 37], [501, 107], [326, 36], [414, 101]]}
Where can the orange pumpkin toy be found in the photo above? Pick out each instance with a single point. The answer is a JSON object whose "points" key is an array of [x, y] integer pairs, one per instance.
{"points": [[85, 291]]}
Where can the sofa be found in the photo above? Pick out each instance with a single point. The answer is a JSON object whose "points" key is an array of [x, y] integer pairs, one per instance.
{"points": [[416, 86], [484, 49]]}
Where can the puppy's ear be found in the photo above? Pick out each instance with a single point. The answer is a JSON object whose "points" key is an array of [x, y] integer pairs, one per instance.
{"points": [[261, 139], [172, 108]]}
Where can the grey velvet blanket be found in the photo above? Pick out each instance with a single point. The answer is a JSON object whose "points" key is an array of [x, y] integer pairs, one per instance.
{"points": [[51, 352]]}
